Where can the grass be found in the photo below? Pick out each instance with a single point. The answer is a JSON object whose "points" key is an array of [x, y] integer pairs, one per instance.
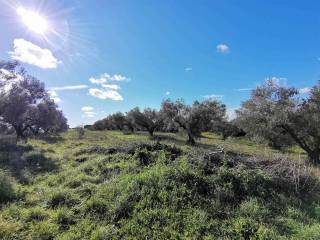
{"points": [[108, 186]]}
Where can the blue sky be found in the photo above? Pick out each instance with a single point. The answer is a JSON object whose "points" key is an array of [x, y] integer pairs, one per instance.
{"points": [[158, 49]]}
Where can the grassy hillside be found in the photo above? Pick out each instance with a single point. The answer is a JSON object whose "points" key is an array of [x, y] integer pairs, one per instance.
{"points": [[114, 186]]}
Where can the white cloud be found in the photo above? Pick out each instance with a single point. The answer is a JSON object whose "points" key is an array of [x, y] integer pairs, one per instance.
{"points": [[88, 112], [118, 77], [243, 89], [105, 77], [105, 94], [223, 48], [304, 90], [214, 96], [73, 87], [111, 86], [98, 80], [54, 96], [167, 93], [87, 108], [188, 69], [32, 54], [52, 93]]}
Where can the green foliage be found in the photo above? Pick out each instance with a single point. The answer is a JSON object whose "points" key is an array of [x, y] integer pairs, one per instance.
{"points": [[7, 191], [43, 230], [129, 187], [61, 198]]}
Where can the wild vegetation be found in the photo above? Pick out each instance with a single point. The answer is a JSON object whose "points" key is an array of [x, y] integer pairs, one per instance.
{"points": [[180, 172], [113, 186]]}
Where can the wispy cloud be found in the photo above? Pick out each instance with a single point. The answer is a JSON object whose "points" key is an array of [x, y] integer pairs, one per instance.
{"points": [[243, 89], [105, 94], [108, 91], [73, 87], [214, 96], [304, 90], [111, 86], [87, 112], [98, 80], [32, 54], [167, 93], [107, 77], [87, 108], [188, 69], [118, 77], [223, 48]]}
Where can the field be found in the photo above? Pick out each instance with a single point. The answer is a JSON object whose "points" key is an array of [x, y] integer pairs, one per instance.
{"points": [[109, 185]]}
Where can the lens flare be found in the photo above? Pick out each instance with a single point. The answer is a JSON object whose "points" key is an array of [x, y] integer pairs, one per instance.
{"points": [[34, 21]]}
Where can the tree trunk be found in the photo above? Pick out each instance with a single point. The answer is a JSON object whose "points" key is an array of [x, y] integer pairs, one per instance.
{"points": [[151, 133], [314, 156], [191, 140], [20, 135]]}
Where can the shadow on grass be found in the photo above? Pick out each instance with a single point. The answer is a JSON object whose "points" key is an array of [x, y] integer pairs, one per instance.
{"points": [[24, 159], [52, 139], [179, 141]]}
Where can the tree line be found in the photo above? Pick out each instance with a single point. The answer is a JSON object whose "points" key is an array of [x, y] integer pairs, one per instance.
{"points": [[274, 114], [194, 119]]}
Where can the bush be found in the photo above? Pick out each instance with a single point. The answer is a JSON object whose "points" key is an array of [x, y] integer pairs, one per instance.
{"points": [[7, 191], [80, 132], [64, 218], [44, 231], [102, 233], [96, 207], [35, 214], [9, 229], [60, 198]]}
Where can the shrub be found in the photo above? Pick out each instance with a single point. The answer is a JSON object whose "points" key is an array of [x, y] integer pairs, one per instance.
{"points": [[34, 214], [43, 230], [9, 229], [7, 192], [38, 162], [61, 197], [64, 218], [80, 132], [102, 233], [96, 206]]}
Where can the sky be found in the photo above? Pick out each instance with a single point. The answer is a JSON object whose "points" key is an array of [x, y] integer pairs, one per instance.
{"points": [[100, 57]]}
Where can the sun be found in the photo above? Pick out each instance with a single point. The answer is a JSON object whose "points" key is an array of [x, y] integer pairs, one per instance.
{"points": [[34, 21]]}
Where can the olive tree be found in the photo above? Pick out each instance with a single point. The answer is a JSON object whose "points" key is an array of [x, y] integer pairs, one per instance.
{"points": [[25, 105], [276, 109], [200, 116], [149, 119]]}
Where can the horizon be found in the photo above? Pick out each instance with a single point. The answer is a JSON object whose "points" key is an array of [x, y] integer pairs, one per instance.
{"points": [[99, 58]]}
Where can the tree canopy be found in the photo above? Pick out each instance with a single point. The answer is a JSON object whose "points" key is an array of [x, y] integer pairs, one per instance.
{"points": [[200, 116], [25, 105], [275, 111]]}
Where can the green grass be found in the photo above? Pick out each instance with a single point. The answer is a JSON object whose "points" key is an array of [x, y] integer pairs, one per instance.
{"points": [[65, 188]]}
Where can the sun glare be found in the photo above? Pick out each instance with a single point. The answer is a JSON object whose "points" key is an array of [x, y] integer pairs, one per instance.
{"points": [[34, 21]]}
